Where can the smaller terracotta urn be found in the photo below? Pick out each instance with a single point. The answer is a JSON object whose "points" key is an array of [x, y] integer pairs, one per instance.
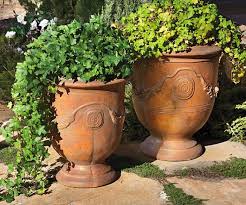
{"points": [[173, 98], [90, 119]]}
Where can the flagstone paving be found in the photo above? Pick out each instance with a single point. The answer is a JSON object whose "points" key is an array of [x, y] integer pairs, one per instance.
{"points": [[130, 189], [225, 192], [215, 152]]}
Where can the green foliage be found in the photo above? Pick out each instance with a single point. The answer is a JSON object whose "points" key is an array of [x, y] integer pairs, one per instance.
{"points": [[175, 195], [233, 168], [176, 25], [8, 60], [6, 82], [226, 122], [114, 10], [224, 112], [6, 25], [178, 197], [204, 172], [133, 129], [8, 155], [237, 129], [85, 8], [9, 55], [33, 5], [92, 51], [147, 170], [65, 10]]}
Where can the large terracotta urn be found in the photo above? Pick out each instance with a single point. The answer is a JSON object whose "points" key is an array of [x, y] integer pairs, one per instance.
{"points": [[90, 119], [173, 98]]}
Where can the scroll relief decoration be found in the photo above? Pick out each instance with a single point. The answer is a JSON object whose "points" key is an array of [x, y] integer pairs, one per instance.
{"points": [[93, 115], [95, 119], [183, 89]]}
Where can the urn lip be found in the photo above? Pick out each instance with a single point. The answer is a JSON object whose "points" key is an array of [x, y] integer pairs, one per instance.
{"points": [[196, 52], [94, 84]]}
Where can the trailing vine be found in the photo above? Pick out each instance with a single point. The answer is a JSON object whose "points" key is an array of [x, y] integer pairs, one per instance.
{"points": [[167, 26], [88, 52]]}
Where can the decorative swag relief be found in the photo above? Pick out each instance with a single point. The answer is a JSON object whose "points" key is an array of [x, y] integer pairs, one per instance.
{"points": [[183, 89], [93, 116]]}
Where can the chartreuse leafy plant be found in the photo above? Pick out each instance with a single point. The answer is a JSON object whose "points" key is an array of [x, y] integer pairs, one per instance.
{"points": [[237, 129], [112, 12], [231, 168], [88, 52], [166, 26]]}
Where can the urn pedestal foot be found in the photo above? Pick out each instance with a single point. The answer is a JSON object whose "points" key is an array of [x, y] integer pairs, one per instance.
{"points": [[168, 150], [86, 176]]}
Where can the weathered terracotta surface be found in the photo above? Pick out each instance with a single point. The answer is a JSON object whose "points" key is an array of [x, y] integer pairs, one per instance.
{"points": [[173, 97], [90, 120]]}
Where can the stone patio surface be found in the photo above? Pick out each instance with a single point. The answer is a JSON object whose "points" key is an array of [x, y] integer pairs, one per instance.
{"points": [[10, 9], [215, 152], [226, 192], [128, 190], [131, 189]]}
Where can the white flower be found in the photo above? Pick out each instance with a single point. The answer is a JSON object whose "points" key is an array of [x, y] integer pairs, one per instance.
{"points": [[39, 4], [10, 34], [21, 19], [163, 196], [44, 23], [34, 25], [53, 21], [19, 50]]}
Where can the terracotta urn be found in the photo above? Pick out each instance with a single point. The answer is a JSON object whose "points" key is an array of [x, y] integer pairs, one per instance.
{"points": [[173, 98], [90, 119]]}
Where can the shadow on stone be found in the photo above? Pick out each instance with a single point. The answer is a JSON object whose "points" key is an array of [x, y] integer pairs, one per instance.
{"points": [[211, 141], [120, 163]]}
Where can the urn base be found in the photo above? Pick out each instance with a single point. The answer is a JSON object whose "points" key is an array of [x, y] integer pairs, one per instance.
{"points": [[86, 176], [167, 150]]}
